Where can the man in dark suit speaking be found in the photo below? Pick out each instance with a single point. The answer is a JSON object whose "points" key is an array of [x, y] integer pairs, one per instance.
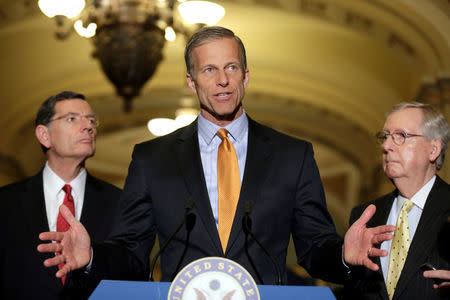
{"points": [[233, 168], [414, 141], [66, 128]]}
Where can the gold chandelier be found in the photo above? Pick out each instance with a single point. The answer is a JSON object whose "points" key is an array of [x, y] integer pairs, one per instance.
{"points": [[129, 35]]}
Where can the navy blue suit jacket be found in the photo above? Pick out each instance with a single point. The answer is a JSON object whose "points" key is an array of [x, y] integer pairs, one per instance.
{"points": [[281, 182]]}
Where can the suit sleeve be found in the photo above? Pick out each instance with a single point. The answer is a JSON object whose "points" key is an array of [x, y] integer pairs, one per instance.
{"points": [[126, 254], [318, 246]]}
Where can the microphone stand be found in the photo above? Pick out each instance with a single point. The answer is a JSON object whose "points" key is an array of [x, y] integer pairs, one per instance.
{"points": [[247, 226], [190, 223], [188, 205]]}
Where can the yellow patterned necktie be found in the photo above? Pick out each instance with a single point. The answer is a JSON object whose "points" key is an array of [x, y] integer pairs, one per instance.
{"points": [[228, 185], [399, 248]]}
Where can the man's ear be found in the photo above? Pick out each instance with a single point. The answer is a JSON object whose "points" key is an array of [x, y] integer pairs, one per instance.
{"points": [[436, 148], [246, 78], [191, 83], [43, 136]]}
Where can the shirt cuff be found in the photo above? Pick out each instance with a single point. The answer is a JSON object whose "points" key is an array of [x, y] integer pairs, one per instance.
{"points": [[87, 269], [347, 267]]}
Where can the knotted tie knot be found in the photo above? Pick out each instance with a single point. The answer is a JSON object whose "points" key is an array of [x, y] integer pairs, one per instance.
{"points": [[68, 190]]}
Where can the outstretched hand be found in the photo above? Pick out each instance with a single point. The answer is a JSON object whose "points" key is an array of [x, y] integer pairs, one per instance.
{"points": [[74, 245], [360, 241], [444, 287]]}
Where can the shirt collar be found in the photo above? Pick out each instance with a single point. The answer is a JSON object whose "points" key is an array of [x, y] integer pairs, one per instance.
{"points": [[54, 183], [420, 197], [207, 129]]}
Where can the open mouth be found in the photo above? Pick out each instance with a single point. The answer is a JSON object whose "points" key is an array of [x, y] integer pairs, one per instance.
{"points": [[223, 95]]}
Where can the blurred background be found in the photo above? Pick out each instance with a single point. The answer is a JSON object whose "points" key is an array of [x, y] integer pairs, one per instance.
{"points": [[322, 70]]}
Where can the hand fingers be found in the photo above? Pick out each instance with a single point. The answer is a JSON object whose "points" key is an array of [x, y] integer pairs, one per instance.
{"points": [[375, 252], [54, 261], [49, 247], [51, 236], [442, 274], [379, 238], [370, 264], [367, 214], [65, 269], [67, 215], [383, 229]]}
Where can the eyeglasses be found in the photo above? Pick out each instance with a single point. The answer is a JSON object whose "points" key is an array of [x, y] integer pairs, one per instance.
{"points": [[399, 137], [74, 118]]}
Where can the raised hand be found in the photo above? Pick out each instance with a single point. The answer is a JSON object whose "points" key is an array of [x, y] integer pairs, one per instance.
{"points": [[73, 245], [360, 241]]}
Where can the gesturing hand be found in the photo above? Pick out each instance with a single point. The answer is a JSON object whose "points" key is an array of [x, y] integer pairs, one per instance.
{"points": [[74, 245], [444, 275], [360, 241]]}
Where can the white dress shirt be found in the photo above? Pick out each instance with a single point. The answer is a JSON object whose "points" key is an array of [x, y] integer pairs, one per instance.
{"points": [[414, 215], [209, 144], [54, 195]]}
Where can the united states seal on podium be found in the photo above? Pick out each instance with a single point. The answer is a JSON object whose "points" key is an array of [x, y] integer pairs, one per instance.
{"points": [[213, 278]]}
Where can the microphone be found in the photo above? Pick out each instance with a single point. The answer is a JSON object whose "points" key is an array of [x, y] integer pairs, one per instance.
{"points": [[247, 226], [190, 223], [188, 205]]}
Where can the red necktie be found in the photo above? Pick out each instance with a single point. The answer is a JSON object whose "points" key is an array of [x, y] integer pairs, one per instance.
{"points": [[61, 223]]}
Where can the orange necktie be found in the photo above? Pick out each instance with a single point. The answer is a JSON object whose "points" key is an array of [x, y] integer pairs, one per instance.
{"points": [[61, 223], [228, 185]]}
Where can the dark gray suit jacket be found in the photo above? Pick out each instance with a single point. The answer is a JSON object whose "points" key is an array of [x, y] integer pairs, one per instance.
{"points": [[281, 183], [411, 285], [23, 217]]}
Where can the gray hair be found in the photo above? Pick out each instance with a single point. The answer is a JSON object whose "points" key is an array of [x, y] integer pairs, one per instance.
{"points": [[434, 126], [205, 35]]}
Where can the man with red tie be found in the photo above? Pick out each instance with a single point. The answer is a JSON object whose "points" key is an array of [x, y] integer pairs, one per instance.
{"points": [[66, 128]]}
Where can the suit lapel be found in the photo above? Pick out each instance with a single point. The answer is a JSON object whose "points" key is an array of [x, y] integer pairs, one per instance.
{"points": [[189, 160], [437, 203], [259, 151], [92, 205], [33, 205], [383, 208]]}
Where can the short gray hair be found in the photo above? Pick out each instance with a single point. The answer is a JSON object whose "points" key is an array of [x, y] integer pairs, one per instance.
{"points": [[205, 35], [434, 126]]}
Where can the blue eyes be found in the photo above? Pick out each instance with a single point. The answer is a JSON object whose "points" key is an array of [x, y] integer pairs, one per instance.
{"points": [[230, 67]]}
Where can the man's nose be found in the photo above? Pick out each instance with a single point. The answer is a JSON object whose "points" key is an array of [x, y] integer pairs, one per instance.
{"points": [[388, 143], [222, 78], [86, 124]]}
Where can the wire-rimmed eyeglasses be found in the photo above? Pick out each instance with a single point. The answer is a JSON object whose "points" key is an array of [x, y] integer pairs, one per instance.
{"points": [[74, 118], [399, 137]]}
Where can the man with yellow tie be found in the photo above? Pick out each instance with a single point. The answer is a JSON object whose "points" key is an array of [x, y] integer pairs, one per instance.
{"points": [[233, 168], [414, 141]]}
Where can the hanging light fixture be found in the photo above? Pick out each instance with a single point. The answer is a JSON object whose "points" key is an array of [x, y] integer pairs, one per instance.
{"points": [[129, 35], [184, 115]]}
